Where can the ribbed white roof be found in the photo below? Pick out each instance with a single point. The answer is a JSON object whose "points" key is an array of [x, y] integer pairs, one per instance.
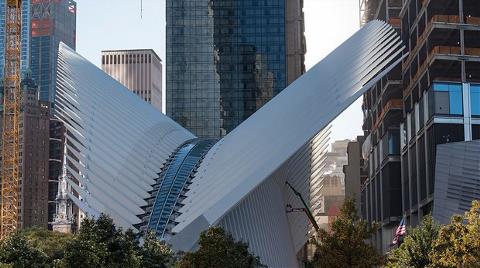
{"points": [[252, 152], [117, 142]]}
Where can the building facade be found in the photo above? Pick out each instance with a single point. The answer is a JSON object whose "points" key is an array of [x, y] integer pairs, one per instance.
{"points": [[52, 22], [456, 179], [25, 38], [383, 113], [139, 70], [441, 91], [355, 175], [226, 59], [435, 100], [35, 156], [329, 193]]}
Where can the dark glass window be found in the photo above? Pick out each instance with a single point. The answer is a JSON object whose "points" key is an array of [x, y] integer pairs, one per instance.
{"points": [[476, 132]]}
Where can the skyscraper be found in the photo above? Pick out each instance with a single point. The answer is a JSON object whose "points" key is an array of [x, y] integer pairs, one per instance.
{"points": [[139, 70], [26, 24], [226, 59], [52, 22]]}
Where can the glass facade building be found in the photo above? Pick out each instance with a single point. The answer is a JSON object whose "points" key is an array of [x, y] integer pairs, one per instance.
{"points": [[225, 60], [52, 22], [25, 42]]}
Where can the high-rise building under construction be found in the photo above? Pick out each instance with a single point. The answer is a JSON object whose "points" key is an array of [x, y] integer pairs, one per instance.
{"points": [[434, 98]]}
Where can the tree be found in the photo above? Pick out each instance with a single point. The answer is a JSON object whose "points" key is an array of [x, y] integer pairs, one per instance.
{"points": [[344, 245], [416, 248], [155, 253], [458, 243], [15, 252], [218, 249], [51, 243], [100, 244]]}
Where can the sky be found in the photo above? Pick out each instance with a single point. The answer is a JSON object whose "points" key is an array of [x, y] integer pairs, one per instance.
{"points": [[120, 24]]}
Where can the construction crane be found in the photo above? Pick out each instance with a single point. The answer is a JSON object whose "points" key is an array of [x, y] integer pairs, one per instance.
{"points": [[305, 208], [12, 98]]}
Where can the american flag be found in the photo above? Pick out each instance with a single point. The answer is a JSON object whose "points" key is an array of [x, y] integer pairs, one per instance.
{"points": [[401, 230]]}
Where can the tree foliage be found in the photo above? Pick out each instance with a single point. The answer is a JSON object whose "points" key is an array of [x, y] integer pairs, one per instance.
{"points": [[458, 243], [155, 253], [51, 243], [344, 245], [417, 246], [16, 252], [99, 244], [218, 249]]}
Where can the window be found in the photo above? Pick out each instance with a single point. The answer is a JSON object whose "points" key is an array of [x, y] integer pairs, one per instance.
{"points": [[394, 142], [446, 99], [475, 96]]}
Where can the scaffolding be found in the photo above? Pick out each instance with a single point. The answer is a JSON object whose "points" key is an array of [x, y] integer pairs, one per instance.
{"points": [[10, 188]]}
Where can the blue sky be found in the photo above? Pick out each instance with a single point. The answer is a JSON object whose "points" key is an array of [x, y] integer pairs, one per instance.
{"points": [[116, 24]]}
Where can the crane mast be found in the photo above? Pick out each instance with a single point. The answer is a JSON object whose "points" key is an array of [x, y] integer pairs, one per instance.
{"points": [[11, 166]]}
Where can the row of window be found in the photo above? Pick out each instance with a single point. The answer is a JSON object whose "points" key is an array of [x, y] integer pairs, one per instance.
{"points": [[126, 59], [447, 99]]}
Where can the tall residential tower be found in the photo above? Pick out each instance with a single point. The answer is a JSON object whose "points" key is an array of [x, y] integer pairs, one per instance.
{"points": [[226, 59]]}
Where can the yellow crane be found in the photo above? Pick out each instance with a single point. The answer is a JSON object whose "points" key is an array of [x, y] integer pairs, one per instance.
{"points": [[12, 98]]}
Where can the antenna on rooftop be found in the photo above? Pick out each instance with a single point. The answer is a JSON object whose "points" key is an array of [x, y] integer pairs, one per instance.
{"points": [[141, 9]]}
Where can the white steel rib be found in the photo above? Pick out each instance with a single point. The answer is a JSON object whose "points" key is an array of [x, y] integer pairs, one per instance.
{"points": [[245, 159], [117, 144]]}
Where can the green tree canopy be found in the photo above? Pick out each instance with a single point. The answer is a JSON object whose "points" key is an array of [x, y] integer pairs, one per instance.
{"points": [[51, 243], [458, 243], [155, 253], [416, 247], [218, 249], [344, 245], [16, 252], [100, 244]]}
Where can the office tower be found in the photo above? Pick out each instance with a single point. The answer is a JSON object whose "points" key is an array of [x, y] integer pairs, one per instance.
{"points": [[355, 175], [35, 157], [52, 22], [25, 38], [226, 59], [438, 102], [139, 70]]}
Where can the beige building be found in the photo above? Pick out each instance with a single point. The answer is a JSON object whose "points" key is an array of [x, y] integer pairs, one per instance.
{"points": [[140, 70]]}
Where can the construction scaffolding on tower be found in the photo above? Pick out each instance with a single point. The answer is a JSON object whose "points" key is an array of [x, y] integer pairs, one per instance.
{"points": [[12, 99]]}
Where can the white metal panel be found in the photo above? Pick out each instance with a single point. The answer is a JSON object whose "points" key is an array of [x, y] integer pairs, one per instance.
{"points": [[116, 141], [252, 152]]}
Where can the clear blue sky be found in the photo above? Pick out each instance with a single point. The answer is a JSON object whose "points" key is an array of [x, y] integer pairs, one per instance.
{"points": [[116, 24]]}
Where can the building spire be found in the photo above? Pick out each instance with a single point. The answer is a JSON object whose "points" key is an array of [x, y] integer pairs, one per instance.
{"points": [[63, 219]]}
